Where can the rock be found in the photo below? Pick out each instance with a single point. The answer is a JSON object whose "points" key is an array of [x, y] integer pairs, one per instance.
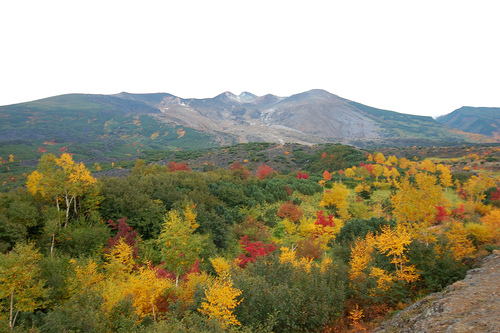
{"points": [[470, 305]]}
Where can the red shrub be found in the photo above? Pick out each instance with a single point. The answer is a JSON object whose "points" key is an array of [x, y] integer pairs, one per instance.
{"points": [[253, 250], [264, 171], [290, 211], [182, 166]]}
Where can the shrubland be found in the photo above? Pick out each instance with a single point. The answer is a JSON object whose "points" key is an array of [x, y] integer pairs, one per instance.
{"points": [[344, 240]]}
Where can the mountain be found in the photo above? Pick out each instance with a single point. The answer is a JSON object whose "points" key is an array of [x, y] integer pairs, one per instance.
{"points": [[92, 125], [481, 120], [124, 124], [310, 117]]}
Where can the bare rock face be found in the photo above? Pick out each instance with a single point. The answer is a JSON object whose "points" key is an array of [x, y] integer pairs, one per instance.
{"points": [[470, 305], [310, 117]]}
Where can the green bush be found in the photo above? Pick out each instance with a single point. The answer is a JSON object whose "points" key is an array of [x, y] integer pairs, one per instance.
{"points": [[296, 300]]}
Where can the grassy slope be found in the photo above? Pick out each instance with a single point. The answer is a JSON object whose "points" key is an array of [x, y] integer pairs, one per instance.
{"points": [[94, 127], [406, 125], [482, 120]]}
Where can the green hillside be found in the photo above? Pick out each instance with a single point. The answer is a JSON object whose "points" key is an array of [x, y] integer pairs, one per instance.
{"points": [[481, 120], [90, 125], [402, 125]]}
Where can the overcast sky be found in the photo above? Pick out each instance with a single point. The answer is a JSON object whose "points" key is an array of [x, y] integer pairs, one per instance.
{"points": [[417, 57]]}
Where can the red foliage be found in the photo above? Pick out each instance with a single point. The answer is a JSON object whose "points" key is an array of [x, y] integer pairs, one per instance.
{"points": [[240, 170], [63, 149], [288, 209], [327, 175], [495, 195], [441, 215], [368, 166], [264, 171], [126, 232], [301, 175], [462, 193], [41, 150], [458, 212], [253, 250], [182, 166], [323, 155], [288, 190], [341, 172], [324, 221], [236, 166], [164, 274]]}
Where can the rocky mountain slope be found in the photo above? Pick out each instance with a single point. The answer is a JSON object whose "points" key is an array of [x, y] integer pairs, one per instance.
{"points": [[485, 121], [310, 117], [469, 305]]}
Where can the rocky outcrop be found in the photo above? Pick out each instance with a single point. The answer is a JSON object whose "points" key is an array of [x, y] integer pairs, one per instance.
{"points": [[469, 305]]}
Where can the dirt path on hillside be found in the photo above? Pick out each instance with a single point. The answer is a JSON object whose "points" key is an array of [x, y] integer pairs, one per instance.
{"points": [[471, 305]]}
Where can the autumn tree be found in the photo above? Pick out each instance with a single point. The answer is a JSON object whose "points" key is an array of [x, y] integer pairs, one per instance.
{"points": [[337, 198], [173, 166], [180, 247], [20, 284], [445, 176], [122, 278], [394, 243], [264, 171], [414, 204], [253, 250], [458, 242], [221, 298], [476, 187], [291, 211], [380, 158], [62, 180]]}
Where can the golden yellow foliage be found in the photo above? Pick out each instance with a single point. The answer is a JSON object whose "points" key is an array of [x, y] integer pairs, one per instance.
{"points": [[337, 198], [221, 300], [492, 222], [459, 244], [361, 256], [480, 233]]}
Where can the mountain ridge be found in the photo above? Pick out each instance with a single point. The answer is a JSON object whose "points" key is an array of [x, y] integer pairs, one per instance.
{"points": [[478, 120], [310, 117]]}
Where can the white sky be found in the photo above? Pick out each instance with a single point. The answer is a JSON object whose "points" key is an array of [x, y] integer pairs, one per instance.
{"points": [[418, 57]]}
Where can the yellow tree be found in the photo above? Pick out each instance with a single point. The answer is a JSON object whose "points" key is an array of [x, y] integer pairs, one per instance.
{"points": [[380, 158], [404, 163], [414, 205], [428, 165], [492, 222], [349, 172], [378, 170], [394, 242], [20, 284], [337, 198], [445, 176], [392, 160], [459, 244], [62, 180], [361, 256], [221, 297], [146, 288], [477, 185], [180, 247]]}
